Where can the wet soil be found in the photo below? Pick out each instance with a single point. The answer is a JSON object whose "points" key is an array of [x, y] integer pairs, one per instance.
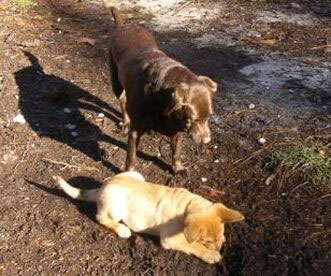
{"points": [[53, 71]]}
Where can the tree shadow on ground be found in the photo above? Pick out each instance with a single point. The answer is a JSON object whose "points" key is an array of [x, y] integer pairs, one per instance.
{"points": [[42, 99]]}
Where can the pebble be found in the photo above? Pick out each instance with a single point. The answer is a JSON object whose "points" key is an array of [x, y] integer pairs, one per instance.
{"points": [[101, 115], [262, 140], [216, 161], [295, 5], [251, 106], [203, 179], [66, 110], [74, 133], [70, 126], [19, 119]]}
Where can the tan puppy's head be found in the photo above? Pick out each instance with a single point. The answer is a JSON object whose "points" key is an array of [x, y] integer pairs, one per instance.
{"points": [[207, 228], [192, 103]]}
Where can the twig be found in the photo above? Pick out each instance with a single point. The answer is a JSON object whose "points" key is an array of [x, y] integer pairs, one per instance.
{"points": [[290, 51], [23, 156], [66, 165], [212, 191]]}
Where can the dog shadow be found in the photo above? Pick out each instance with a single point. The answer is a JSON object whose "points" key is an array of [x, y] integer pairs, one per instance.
{"points": [[51, 106]]}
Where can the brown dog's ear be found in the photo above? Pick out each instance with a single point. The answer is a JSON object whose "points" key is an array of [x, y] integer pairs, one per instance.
{"points": [[179, 98], [211, 85], [226, 214], [192, 229]]}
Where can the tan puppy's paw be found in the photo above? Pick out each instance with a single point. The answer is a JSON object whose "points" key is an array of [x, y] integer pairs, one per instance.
{"points": [[123, 231], [211, 257]]}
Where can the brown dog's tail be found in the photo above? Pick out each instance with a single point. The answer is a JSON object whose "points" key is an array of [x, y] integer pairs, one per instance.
{"points": [[84, 195], [119, 20]]}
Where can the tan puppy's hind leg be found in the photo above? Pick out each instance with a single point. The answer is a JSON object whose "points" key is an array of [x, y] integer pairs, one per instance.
{"points": [[120, 229]]}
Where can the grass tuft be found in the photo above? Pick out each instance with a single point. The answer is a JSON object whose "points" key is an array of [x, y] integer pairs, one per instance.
{"points": [[23, 3], [312, 165]]}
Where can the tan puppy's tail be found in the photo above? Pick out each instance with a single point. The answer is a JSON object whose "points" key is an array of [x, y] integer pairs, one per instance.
{"points": [[119, 20], [84, 195]]}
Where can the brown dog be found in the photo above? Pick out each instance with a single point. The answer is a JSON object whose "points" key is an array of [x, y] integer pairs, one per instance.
{"points": [[183, 221], [156, 92]]}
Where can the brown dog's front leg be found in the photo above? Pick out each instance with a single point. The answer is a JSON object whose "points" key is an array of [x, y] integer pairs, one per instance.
{"points": [[176, 146], [131, 157]]}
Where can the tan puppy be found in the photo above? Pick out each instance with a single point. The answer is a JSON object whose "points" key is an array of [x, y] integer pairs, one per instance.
{"points": [[184, 221]]}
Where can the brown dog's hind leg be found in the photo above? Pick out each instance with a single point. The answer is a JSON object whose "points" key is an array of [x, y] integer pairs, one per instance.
{"points": [[133, 142], [176, 146], [126, 119], [119, 93]]}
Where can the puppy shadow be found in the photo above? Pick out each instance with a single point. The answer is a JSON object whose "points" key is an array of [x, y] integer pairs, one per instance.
{"points": [[87, 209], [52, 107]]}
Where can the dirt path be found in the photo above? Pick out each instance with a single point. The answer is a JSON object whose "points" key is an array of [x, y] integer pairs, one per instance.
{"points": [[273, 64]]}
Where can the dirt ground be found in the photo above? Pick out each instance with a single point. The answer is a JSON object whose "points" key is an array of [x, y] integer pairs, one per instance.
{"points": [[272, 62]]}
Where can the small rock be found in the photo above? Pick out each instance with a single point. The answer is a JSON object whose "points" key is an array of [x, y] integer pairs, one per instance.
{"points": [[251, 106], [262, 141], [58, 19], [74, 133], [70, 126], [66, 110], [269, 179], [216, 161], [68, 61], [101, 115], [10, 158], [19, 119], [215, 147], [295, 5], [203, 179]]}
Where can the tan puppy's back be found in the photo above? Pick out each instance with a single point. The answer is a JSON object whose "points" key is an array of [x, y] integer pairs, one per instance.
{"points": [[143, 205]]}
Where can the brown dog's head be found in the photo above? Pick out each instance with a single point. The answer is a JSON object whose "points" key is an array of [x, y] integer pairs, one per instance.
{"points": [[207, 227], [192, 104]]}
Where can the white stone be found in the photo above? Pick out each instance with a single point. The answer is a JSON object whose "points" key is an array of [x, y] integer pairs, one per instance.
{"points": [[251, 106], [19, 119], [203, 179], [262, 140], [70, 126], [74, 133], [66, 110]]}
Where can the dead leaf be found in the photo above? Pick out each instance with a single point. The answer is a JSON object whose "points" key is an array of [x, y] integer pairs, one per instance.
{"points": [[87, 40], [268, 42]]}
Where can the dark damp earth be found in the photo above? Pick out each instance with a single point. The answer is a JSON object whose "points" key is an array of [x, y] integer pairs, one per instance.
{"points": [[53, 71]]}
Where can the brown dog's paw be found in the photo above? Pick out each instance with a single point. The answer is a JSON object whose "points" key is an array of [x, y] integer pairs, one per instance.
{"points": [[211, 257], [124, 127], [179, 169]]}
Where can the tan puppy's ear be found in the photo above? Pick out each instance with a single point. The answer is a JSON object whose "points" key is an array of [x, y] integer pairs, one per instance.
{"points": [[211, 85], [179, 98], [192, 229], [226, 214]]}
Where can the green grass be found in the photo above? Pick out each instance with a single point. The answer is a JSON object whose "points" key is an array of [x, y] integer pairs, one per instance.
{"points": [[23, 3], [306, 161]]}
